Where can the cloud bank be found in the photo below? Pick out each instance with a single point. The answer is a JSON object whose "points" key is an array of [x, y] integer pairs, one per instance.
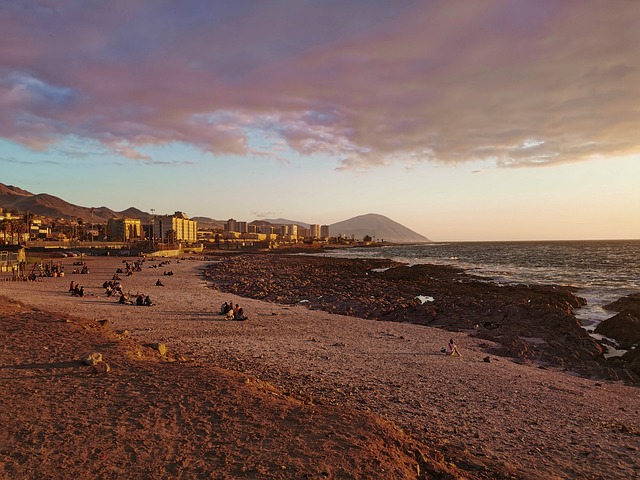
{"points": [[515, 82]]}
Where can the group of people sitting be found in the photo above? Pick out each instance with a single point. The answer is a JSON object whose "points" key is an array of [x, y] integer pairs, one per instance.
{"points": [[232, 313], [84, 270], [141, 300], [112, 287], [76, 290]]}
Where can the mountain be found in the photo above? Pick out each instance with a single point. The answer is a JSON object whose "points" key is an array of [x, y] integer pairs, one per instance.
{"points": [[378, 226], [50, 206], [133, 212], [283, 221], [11, 190], [206, 222]]}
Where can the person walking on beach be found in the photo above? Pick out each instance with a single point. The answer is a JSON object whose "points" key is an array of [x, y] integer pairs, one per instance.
{"points": [[452, 349]]}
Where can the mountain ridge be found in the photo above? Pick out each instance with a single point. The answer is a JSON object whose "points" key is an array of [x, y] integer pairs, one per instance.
{"points": [[43, 204]]}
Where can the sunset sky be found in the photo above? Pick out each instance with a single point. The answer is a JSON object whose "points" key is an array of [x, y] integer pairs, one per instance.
{"points": [[462, 120]]}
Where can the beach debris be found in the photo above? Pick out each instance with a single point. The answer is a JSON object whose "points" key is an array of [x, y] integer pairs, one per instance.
{"points": [[92, 358], [424, 299], [487, 359]]}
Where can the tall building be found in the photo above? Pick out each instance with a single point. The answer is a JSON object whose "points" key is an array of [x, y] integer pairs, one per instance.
{"points": [[123, 229], [324, 231], [242, 227], [314, 230], [231, 226], [175, 228]]}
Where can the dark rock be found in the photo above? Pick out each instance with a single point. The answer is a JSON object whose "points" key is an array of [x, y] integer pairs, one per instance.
{"points": [[623, 327], [632, 357], [630, 303]]}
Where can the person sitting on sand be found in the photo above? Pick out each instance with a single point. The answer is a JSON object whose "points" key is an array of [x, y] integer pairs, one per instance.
{"points": [[140, 300], [147, 301], [239, 314], [224, 309], [452, 349], [71, 287], [229, 315], [159, 283]]}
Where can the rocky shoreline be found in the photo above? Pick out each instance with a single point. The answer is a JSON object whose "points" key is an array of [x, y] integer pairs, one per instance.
{"points": [[530, 323]]}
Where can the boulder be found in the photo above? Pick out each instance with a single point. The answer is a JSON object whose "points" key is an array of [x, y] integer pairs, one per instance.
{"points": [[623, 327], [632, 357], [629, 303]]}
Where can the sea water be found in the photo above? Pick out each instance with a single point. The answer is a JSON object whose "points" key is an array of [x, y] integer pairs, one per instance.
{"points": [[603, 271]]}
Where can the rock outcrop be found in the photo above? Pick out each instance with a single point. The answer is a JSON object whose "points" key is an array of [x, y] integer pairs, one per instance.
{"points": [[623, 327]]}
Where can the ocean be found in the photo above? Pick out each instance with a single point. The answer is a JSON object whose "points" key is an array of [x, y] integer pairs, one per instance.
{"points": [[603, 271]]}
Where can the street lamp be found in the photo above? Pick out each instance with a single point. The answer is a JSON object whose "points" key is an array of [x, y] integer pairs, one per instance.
{"points": [[152, 226], [91, 226]]}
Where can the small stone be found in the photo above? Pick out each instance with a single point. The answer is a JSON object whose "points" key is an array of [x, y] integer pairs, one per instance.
{"points": [[160, 347], [487, 359], [92, 358]]}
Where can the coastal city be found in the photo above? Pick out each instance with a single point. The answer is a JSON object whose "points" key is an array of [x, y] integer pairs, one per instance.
{"points": [[160, 230], [176, 232]]}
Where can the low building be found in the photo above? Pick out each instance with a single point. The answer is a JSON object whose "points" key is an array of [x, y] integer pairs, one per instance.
{"points": [[11, 257]]}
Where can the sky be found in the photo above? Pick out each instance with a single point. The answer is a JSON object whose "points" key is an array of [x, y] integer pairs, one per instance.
{"points": [[462, 120]]}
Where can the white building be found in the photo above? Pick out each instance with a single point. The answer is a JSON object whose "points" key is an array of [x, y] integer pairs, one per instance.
{"points": [[175, 228]]}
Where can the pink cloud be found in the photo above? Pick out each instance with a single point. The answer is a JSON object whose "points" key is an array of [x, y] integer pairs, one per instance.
{"points": [[366, 84]]}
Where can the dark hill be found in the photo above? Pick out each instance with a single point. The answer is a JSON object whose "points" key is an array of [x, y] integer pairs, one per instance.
{"points": [[378, 227]]}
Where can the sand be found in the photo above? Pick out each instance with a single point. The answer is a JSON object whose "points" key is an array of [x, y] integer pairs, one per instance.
{"points": [[496, 416]]}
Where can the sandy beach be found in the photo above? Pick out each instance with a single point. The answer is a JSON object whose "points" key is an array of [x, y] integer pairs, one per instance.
{"points": [[488, 418]]}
